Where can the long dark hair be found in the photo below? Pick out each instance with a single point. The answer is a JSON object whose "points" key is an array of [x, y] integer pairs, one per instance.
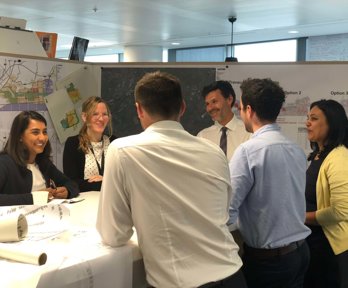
{"points": [[337, 121], [15, 148]]}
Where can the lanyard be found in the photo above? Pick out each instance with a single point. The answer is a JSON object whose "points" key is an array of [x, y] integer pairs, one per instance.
{"points": [[100, 168]]}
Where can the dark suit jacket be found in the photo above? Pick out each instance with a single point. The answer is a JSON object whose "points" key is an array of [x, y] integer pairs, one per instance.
{"points": [[74, 164], [16, 182]]}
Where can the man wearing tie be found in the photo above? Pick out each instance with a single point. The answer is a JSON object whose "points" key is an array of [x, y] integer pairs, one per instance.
{"points": [[228, 131]]}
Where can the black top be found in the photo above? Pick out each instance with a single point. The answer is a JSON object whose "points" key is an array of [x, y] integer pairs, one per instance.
{"points": [[74, 164], [311, 198], [16, 182]]}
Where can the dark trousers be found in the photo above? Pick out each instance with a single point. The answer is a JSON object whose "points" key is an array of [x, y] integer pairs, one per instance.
{"points": [[326, 270], [236, 280], [280, 271], [238, 238]]}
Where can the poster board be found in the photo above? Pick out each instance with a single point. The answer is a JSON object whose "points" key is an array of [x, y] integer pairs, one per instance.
{"points": [[27, 82], [117, 88], [20, 42], [303, 84]]}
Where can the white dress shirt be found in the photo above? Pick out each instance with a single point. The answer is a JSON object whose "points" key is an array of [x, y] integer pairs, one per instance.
{"points": [[175, 189], [236, 134]]}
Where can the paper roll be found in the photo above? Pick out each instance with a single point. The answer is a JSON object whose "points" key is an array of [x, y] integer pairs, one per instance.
{"points": [[25, 254], [13, 228]]}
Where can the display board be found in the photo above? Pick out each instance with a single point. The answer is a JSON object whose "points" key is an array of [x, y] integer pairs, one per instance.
{"points": [[303, 84], [117, 87], [46, 85], [20, 42], [27, 83]]}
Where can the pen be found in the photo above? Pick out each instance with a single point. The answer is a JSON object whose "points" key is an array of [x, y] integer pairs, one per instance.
{"points": [[53, 185]]}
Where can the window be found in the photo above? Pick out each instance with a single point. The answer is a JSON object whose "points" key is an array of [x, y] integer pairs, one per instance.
{"points": [[275, 51], [207, 54], [102, 58]]}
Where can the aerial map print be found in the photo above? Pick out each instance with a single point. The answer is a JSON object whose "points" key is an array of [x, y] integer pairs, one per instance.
{"points": [[25, 84]]}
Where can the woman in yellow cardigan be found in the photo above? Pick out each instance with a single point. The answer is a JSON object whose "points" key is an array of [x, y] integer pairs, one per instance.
{"points": [[327, 195]]}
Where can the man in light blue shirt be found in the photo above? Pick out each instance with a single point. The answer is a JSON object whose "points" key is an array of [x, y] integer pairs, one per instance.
{"points": [[268, 175]]}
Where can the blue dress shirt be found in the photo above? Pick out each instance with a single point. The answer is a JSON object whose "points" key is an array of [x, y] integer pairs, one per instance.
{"points": [[268, 175]]}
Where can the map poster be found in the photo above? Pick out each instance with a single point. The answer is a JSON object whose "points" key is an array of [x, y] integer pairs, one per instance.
{"points": [[65, 117], [64, 105]]}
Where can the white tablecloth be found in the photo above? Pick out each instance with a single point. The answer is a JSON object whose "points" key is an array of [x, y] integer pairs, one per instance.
{"points": [[77, 258]]}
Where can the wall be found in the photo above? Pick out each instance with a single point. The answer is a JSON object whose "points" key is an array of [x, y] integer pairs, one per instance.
{"points": [[27, 82]]}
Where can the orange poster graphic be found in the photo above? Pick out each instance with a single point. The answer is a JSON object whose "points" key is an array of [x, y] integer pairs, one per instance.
{"points": [[49, 42]]}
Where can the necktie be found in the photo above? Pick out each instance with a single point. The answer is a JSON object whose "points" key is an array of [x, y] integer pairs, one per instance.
{"points": [[223, 140]]}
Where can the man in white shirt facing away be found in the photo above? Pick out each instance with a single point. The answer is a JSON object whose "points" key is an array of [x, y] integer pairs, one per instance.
{"points": [[174, 188], [219, 99]]}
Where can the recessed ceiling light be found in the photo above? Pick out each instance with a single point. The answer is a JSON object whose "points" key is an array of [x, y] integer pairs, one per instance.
{"points": [[175, 43], [293, 32]]}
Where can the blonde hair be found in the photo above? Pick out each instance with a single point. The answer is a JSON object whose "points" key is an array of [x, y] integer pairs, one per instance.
{"points": [[88, 108]]}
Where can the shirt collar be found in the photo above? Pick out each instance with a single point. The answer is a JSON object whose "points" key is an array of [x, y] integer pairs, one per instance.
{"points": [[165, 124], [230, 125], [266, 128]]}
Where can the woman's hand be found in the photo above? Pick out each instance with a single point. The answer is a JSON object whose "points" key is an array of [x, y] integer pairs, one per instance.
{"points": [[50, 193], [311, 219], [95, 178], [59, 193]]}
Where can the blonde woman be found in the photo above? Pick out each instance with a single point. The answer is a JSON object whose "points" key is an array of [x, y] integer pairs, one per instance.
{"points": [[84, 154]]}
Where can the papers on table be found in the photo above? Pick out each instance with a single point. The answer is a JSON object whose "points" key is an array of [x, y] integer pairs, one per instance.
{"points": [[30, 223], [76, 256], [44, 221]]}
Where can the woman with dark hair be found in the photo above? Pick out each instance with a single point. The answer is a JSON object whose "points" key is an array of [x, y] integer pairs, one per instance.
{"points": [[327, 195], [25, 164], [84, 154]]}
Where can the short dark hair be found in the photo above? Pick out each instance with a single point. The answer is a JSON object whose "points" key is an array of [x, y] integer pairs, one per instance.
{"points": [[15, 147], [264, 96], [224, 86], [160, 94], [337, 121]]}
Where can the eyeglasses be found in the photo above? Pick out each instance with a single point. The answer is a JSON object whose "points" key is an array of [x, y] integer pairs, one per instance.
{"points": [[98, 115]]}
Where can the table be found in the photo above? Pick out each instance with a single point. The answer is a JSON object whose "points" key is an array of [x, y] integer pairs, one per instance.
{"points": [[77, 258], [88, 208]]}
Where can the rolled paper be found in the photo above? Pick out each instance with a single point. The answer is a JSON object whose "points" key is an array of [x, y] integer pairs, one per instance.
{"points": [[13, 228], [25, 254]]}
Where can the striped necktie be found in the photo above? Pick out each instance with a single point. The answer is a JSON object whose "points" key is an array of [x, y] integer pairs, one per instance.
{"points": [[223, 140]]}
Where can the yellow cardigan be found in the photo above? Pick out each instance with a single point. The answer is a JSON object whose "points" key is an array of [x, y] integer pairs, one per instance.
{"points": [[332, 198]]}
